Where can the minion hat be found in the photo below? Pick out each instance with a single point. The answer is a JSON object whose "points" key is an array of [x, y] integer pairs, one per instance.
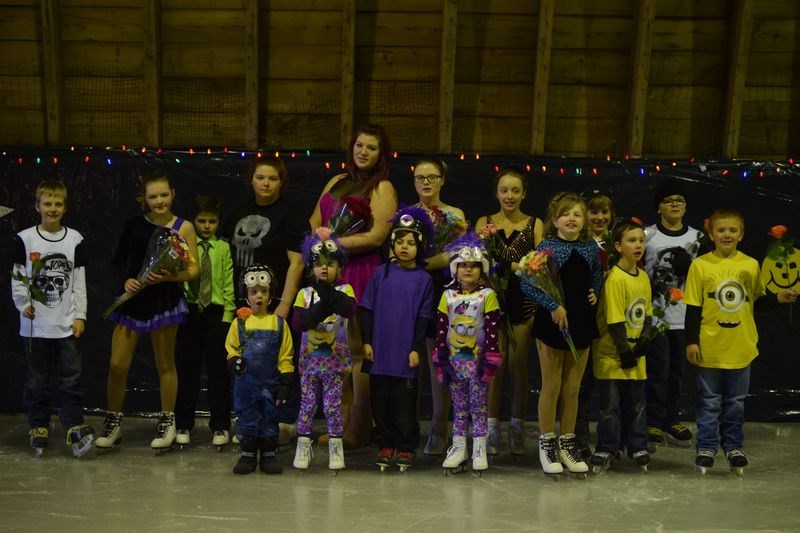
{"points": [[668, 187], [416, 221], [467, 249], [258, 275], [322, 251]]}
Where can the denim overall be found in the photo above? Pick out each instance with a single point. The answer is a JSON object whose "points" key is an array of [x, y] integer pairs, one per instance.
{"points": [[252, 399]]}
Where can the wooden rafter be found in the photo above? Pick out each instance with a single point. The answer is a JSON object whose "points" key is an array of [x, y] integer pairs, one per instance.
{"points": [[740, 37], [251, 73], [447, 74], [348, 70], [152, 72], [53, 79], [640, 76], [541, 77]]}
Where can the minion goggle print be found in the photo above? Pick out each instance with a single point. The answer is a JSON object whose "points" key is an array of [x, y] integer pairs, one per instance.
{"points": [[258, 278], [469, 255]]}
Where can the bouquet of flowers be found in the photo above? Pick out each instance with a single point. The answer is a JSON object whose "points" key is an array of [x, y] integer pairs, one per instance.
{"points": [[446, 228], [35, 292], [538, 270], [353, 215], [167, 252], [779, 250], [498, 277]]}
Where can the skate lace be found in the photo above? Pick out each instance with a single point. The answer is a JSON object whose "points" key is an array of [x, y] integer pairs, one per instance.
{"points": [[111, 423], [571, 451], [164, 423], [38, 432], [550, 450], [455, 450], [335, 451]]}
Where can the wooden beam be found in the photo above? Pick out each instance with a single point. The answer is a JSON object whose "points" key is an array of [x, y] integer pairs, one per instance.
{"points": [[447, 75], [348, 70], [640, 76], [252, 107], [541, 76], [152, 72], [739, 46], [53, 79]]}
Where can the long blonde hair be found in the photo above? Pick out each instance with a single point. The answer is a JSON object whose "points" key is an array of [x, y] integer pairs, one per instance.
{"points": [[559, 204]]}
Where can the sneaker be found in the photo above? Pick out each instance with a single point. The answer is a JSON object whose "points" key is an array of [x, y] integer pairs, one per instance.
{"points": [[679, 435], [492, 440], [112, 431], [436, 442], [736, 458], [81, 439], [220, 438], [516, 437], [656, 436], [182, 437]]}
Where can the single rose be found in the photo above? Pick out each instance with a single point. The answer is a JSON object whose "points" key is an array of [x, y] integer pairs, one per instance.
{"points": [[675, 295], [779, 231], [244, 313], [35, 256], [637, 220]]}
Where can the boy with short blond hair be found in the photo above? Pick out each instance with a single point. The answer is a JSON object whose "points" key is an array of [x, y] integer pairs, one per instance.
{"points": [[52, 317], [721, 338]]}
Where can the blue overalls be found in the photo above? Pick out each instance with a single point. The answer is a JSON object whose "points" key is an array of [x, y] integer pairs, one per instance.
{"points": [[252, 397]]}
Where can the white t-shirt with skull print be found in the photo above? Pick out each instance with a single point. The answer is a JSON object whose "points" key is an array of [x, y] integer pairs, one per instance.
{"points": [[62, 279]]}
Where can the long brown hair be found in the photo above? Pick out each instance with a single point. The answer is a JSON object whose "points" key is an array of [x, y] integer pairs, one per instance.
{"points": [[366, 180], [559, 204]]}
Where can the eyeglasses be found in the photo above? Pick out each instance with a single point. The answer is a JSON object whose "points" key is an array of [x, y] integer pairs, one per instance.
{"points": [[432, 178], [673, 201]]}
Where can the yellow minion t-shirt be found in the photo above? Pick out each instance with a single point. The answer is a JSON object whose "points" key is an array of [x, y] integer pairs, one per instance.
{"points": [[625, 298], [725, 288]]}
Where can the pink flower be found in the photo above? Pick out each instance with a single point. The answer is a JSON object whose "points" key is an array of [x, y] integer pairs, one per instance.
{"points": [[488, 230]]}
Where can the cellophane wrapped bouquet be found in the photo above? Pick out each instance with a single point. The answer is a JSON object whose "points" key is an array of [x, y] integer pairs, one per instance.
{"points": [[539, 270], [167, 252]]}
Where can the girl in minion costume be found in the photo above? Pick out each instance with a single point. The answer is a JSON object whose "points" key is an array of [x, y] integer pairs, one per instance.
{"points": [[467, 352], [321, 311]]}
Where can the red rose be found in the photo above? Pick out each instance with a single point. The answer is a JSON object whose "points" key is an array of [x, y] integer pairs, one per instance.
{"points": [[779, 231], [35, 256], [675, 295], [243, 313]]}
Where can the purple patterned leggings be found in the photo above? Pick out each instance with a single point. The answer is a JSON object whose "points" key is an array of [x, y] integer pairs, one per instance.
{"points": [[331, 387], [470, 399]]}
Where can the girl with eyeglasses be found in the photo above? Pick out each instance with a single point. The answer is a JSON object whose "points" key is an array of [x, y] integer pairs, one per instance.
{"points": [[429, 178]]}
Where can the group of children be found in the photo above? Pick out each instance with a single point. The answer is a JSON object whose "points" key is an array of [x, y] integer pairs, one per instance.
{"points": [[606, 308]]}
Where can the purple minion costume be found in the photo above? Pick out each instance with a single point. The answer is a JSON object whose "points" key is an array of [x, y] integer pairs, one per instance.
{"points": [[467, 352], [320, 314]]}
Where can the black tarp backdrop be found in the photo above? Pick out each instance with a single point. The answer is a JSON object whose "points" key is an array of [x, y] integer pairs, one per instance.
{"points": [[103, 186]]}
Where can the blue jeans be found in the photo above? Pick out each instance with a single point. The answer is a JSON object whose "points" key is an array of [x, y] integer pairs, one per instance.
{"points": [[720, 407], [58, 360], [665, 363], [621, 415]]}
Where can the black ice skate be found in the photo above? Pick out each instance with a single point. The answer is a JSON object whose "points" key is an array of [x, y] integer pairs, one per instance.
{"points": [[737, 460], [38, 440], [642, 459], [81, 439], [704, 460], [384, 458], [404, 460], [601, 461]]}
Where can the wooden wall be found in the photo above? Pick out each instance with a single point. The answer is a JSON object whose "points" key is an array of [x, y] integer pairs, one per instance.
{"points": [[659, 78]]}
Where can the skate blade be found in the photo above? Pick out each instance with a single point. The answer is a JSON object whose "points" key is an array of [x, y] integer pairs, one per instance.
{"points": [[460, 469], [553, 476], [737, 471], [582, 476], [38, 452]]}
